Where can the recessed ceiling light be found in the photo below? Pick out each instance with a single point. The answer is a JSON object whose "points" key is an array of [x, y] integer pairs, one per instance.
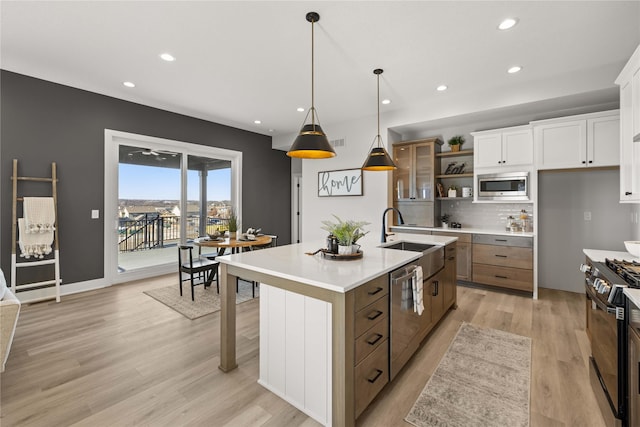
{"points": [[386, 101], [167, 57], [257, 122], [514, 69], [270, 130], [129, 84], [442, 88], [508, 23], [300, 109]]}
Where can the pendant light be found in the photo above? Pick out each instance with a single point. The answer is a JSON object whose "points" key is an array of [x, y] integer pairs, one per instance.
{"points": [[311, 142], [378, 159]]}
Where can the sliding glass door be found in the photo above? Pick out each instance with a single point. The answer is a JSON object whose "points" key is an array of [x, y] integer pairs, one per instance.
{"points": [[163, 193]]}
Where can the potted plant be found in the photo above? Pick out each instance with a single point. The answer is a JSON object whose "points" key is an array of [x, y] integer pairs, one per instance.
{"points": [[445, 220], [233, 223], [347, 232], [455, 142]]}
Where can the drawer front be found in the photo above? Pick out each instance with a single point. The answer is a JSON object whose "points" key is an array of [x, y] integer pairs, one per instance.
{"points": [[372, 339], [513, 278], [450, 252], [496, 239], [505, 256], [370, 376], [371, 291], [371, 314], [462, 237]]}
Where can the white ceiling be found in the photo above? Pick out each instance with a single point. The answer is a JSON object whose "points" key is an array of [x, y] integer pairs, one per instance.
{"points": [[240, 61]]}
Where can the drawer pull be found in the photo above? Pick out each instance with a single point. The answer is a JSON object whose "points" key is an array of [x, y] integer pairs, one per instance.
{"points": [[501, 277], [501, 240], [374, 316], [378, 289], [501, 256], [451, 258], [375, 340], [375, 378]]}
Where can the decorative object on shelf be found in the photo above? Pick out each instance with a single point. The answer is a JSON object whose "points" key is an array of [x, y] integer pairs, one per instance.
{"points": [[440, 188], [345, 182], [311, 142], [455, 142], [378, 159], [453, 192], [455, 225], [341, 257], [467, 192], [444, 218], [455, 168], [346, 232]]}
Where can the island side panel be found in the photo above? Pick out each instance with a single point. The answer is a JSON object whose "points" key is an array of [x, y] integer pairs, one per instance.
{"points": [[343, 347], [227, 319]]}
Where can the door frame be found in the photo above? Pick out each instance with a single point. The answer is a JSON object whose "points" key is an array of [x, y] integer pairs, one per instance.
{"points": [[113, 139]]}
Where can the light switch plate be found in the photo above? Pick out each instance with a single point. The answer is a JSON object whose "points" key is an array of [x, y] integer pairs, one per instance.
{"points": [[587, 215], [95, 214]]}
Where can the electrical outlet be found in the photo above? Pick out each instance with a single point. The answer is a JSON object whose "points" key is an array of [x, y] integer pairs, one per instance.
{"points": [[587, 215], [95, 214]]}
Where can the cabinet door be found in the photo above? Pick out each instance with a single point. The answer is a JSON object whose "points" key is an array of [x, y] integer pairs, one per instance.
{"points": [[488, 150], [464, 261], [402, 175], [424, 171], [635, 85], [629, 150], [434, 288], [561, 145], [603, 141], [448, 284], [517, 148]]}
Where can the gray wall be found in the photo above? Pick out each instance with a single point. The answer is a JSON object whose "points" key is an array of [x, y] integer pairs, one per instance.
{"points": [[563, 198], [44, 122]]}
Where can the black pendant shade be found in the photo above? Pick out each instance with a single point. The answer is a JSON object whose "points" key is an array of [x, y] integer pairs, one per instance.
{"points": [[378, 159], [311, 142]]}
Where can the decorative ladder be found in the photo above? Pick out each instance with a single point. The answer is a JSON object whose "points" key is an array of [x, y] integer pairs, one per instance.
{"points": [[55, 259]]}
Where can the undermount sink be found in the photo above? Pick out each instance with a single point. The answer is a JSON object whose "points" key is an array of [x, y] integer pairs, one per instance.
{"points": [[409, 246]]}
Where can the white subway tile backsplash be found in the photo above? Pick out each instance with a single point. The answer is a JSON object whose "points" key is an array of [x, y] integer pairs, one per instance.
{"points": [[489, 216]]}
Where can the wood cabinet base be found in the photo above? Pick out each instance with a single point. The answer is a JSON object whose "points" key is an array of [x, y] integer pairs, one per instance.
{"points": [[505, 277]]}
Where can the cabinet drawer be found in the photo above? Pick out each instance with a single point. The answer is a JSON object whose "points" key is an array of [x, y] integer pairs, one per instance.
{"points": [[496, 239], [371, 314], [372, 339], [514, 278], [371, 291], [506, 256], [370, 376], [462, 237]]}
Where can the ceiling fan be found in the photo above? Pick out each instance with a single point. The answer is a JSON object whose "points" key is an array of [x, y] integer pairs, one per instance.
{"points": [[149, 152]]}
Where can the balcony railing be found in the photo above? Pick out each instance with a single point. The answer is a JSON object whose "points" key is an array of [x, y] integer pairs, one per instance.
{"points": [[155, 231]]}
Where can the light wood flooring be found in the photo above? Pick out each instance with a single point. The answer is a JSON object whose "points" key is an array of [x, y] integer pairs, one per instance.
{"points": [[116, 357]]}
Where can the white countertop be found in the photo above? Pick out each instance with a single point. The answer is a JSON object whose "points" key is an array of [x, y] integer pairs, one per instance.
{"points": [[503, 232], [598, 255], [633, 294], [291, 262]]}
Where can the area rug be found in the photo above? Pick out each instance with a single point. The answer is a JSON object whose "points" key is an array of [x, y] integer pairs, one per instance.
{"points": [[482, 380], [207, 301]]}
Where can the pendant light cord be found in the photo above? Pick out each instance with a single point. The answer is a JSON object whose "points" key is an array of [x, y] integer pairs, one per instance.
{"points": [[378, 76], [313, 109]]}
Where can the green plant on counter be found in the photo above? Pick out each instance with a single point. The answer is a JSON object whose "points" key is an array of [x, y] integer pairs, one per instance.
{"points": [[445, 219], [233, 221], [347, 232]]}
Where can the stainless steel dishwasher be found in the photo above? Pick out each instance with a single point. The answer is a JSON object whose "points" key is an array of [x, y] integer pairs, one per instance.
{"points": [[405, 323]]}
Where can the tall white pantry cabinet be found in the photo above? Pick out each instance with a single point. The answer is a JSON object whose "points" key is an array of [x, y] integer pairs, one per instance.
{"points": [[629, 82]]}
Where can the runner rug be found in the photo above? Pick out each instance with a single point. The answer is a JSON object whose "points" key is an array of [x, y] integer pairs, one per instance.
{"points": [[207, 301], [482, 380]]}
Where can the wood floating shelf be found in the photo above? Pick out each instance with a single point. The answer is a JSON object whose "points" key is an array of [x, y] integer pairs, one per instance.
{"points": [[454, 198], [456, 175], [455, 153]]}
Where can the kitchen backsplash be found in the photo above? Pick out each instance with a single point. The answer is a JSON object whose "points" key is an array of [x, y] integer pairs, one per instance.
{"points": [[489, 216]]}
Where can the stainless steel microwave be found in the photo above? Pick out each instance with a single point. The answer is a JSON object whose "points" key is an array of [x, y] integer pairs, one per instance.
{"points": [[503, 186]]}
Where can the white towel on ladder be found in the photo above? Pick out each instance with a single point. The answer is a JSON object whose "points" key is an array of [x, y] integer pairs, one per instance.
{"points": [[418, 305], [33, 244], [39, 214]]}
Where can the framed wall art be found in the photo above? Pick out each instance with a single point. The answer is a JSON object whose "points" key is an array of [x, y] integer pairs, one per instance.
{"points": [[345, 182]]}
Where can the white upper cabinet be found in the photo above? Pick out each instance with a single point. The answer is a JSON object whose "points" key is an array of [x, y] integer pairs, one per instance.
{"points": [[587, 140], [499, 148], [629, 82]]}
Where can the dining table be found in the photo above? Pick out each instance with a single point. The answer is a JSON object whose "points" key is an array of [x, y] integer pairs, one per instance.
{"points": [[235, 243]]}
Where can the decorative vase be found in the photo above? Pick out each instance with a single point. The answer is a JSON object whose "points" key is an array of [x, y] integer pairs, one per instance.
{"points": [[355, 248], [345, 250], [445, 225], [452, 192], [232, 234], [455, 147]]}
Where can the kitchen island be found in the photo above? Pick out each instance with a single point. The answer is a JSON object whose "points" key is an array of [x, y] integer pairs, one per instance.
{"points": [[319, 298]]}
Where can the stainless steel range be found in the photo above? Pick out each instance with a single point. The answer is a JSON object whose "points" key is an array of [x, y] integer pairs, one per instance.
{"points": [[607, 330]]}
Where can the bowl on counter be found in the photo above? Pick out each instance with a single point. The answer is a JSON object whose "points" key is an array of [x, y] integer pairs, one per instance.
{"points": [[633, 247]]}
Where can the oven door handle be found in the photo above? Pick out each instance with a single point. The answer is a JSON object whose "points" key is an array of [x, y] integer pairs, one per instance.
{"points": [[602, 306]]}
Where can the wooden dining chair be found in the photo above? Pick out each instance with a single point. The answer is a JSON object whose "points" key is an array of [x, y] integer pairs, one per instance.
{"points": [[200, 270]]}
